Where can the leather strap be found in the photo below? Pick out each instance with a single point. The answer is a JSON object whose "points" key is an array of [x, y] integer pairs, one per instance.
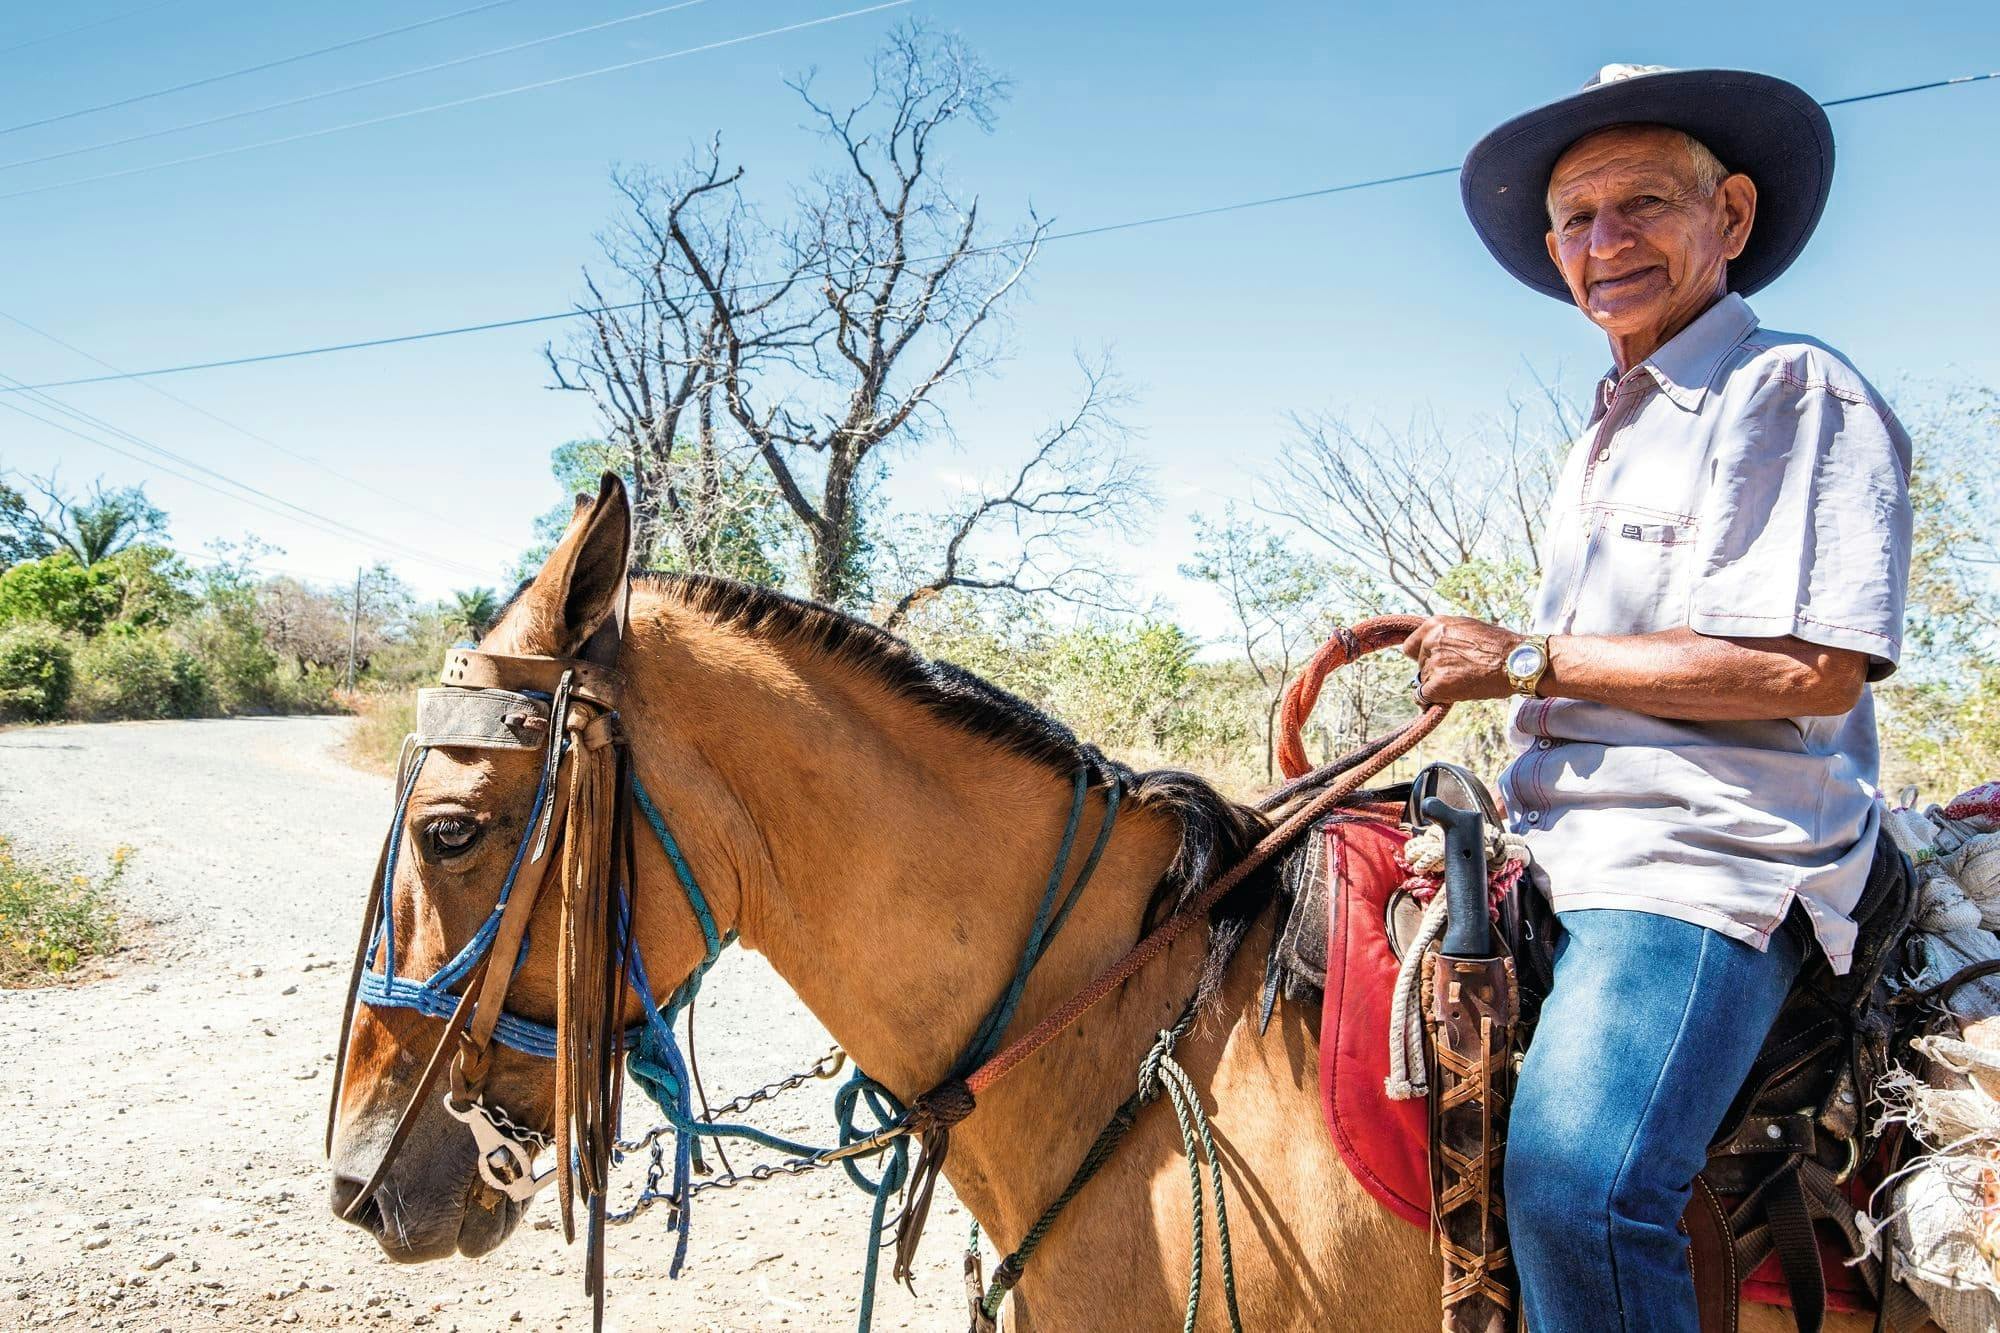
{"points": [[1712, 1260], [470, 668], [441, 1056], [1770, 1134], [1798, 1248]]}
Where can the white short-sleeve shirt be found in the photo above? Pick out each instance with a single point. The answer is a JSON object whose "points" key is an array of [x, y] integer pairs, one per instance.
{"points": [[1745, 483]]}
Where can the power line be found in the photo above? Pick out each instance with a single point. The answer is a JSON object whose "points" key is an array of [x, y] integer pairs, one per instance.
{"points": [[253, 496], [247, 433], [458, 102], [85, 27], [344, 88], [252, 69], [140, 459], [217, 560], [577, 312], [1913, 88]]}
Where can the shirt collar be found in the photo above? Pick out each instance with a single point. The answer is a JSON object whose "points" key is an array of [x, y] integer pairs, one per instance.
{"points": [[1685, 366]]}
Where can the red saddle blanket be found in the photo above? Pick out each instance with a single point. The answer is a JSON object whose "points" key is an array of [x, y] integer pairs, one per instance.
{"points": [[1385, 1142]]}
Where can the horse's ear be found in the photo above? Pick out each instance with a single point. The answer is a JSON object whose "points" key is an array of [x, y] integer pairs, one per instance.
{"points": [[584, 577]]}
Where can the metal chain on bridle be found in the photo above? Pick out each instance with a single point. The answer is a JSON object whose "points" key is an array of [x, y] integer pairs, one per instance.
{"points": [[653, 1144]]}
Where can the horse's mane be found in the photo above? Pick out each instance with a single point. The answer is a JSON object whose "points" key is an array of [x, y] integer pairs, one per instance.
{"points": [[1215, 830]]}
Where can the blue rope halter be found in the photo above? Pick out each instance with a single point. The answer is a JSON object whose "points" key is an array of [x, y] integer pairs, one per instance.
{"points": [[654, 1058]]}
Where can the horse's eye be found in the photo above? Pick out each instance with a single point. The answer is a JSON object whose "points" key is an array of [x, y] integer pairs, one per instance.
{"points": [[452, 837]]}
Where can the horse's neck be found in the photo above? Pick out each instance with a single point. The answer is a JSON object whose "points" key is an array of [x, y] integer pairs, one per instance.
{"points": [[889, 866]]}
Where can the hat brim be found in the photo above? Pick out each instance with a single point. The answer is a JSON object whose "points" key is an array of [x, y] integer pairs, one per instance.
{"points": [[1766, 128]]}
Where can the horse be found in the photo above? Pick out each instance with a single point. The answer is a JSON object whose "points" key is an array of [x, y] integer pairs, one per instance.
{"points": [[879, 827]]}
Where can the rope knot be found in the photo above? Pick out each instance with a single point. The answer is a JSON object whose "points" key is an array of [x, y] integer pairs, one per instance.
{"points": [[940, 1108], [1150, 1081]]}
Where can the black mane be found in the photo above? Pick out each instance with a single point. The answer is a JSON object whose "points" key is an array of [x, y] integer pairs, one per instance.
{"points": [[1215, 831]]}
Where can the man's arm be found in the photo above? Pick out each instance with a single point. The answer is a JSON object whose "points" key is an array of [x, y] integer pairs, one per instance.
{"points": [[1674, 673]]}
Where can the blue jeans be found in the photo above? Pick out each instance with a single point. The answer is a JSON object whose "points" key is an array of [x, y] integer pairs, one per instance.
{"points": [[1647, 1035]]}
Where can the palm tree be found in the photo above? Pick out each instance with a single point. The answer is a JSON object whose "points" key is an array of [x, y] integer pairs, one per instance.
{"points": [[473, 610]]}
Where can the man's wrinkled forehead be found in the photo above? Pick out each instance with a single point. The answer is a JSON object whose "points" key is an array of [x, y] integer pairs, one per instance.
{"points": [[1642, 154]]}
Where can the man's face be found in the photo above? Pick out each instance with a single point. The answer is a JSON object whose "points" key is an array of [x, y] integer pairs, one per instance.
{"points": [[1641, 248]]}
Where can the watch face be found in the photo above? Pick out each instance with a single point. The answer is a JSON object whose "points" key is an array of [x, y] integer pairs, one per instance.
{"points": [[1524, 660]]}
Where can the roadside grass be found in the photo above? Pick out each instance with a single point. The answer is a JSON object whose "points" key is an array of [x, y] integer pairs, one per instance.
{"points": [[53, 917], [381, 719]]}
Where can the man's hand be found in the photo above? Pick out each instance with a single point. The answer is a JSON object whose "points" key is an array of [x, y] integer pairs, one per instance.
{"points": [[1673, 673], [1460, 659]]}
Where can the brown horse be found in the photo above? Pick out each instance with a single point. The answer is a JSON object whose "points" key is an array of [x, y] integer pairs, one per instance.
{"points": [[880, 827]]}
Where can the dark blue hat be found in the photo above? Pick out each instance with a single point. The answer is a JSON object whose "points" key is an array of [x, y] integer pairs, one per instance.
{"points": [[1768, 129]]}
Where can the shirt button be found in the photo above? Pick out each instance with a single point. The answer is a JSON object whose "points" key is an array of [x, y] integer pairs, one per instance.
{"points": [[1603, 455], [1544, 744], [1534, 816]]}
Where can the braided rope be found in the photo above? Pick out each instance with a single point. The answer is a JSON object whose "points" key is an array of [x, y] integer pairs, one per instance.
{"points": [[1160, 1072], [1345, 645]]}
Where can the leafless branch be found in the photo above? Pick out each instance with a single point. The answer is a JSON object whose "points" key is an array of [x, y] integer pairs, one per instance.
{"points": [[1034, 536]]}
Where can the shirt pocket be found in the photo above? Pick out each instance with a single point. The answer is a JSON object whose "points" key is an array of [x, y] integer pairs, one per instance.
{"points": [[1637, 574]]}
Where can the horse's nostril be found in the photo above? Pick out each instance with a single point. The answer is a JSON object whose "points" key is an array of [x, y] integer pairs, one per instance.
{"points": [[346, 1189]]}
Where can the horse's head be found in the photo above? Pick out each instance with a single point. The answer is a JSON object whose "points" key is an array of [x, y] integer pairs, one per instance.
{"points": [[464, 832]]}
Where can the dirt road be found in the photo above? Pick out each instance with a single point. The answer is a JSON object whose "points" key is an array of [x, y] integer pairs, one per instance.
{"points": [[161, 1165]]}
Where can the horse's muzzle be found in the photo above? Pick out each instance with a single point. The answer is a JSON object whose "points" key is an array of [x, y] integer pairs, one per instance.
{"points": [[411, 1232]]}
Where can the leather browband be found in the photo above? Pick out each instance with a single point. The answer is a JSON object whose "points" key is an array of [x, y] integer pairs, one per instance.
{"points": [[471, 669]]}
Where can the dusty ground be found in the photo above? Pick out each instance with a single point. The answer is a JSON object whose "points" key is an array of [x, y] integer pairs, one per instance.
{"points": [[162, 1122]]}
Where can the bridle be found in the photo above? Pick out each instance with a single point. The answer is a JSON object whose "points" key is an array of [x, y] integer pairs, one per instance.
{"points": [[578, 840], [579, 835]]}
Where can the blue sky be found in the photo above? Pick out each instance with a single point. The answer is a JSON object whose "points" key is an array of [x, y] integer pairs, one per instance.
{"points": [[1378, 304]]}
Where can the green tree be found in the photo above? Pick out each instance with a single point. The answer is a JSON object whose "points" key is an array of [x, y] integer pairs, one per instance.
{"points": [[21, 535], [739, 536], [224, 633], [37, 671], [154, 585], [1940, 713], [90, 527], [59, 591], [1277, 596], [472, 610]]}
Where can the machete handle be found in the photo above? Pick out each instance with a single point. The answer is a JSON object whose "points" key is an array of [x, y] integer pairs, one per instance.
{"points": [[1468, 931]]}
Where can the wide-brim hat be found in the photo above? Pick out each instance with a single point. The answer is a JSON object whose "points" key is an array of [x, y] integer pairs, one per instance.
{"points": [[1764, 127]]}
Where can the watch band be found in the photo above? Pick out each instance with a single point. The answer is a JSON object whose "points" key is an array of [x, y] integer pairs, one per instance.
{"points": [[1526, 684]]}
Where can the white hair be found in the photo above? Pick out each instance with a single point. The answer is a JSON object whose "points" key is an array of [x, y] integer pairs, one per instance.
{"points": [[1708, 170]]}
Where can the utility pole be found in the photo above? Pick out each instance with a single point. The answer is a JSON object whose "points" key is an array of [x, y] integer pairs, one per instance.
{"points": [[354, 631]]}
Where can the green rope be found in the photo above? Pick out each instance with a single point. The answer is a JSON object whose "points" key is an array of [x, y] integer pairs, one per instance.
{"points": [[1107, 1141], [1161, 1072], [1158, 1072]]}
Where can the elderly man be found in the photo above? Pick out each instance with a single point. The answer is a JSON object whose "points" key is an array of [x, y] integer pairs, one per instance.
{"points": [[1724, 574]]}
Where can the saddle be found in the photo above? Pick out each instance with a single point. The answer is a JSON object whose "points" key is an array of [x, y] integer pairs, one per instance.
{"points": [[1773, 1214]]}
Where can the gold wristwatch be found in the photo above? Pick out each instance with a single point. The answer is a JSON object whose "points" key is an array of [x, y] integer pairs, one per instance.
{"points": [[1526, 662]]}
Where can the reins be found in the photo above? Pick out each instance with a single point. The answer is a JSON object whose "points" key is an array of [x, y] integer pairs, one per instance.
{"points": [[582, 818], [1366, 637]]}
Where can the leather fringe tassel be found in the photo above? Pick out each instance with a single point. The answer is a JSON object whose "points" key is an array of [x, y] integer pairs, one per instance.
{"points": [[595, 851]]}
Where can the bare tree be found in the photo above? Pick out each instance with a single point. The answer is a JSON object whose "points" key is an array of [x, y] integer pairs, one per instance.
{"points": [[312, 626], [1030, 538], [1417, 523], [891, 296], [751, 371], [651, 359]]}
